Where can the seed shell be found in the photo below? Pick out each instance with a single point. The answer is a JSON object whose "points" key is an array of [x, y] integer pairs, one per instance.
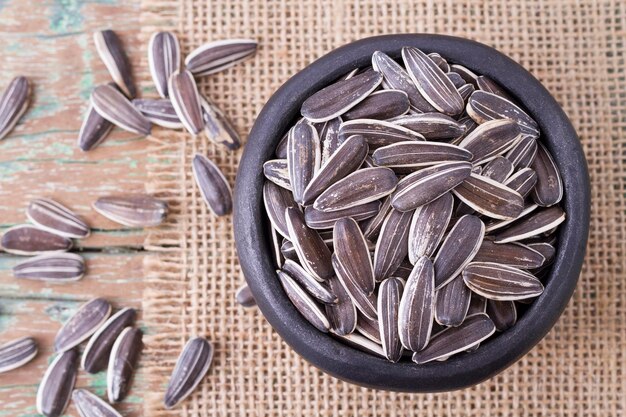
{"points": [[499, 224], [276, 200], [466, 90], [352, 256], [317, 219], [329, 139], [55, 389], [277, 171], [491, 139], [342, 315], [415, 316], [244, 297], [502, 313], [90, 405], [418, 154], [452, 302], [377, 133], [441, 63], [315, 288], [117, 109], [428, 225], [364, 301], [94, 130], [389, 295], [383, 104], [433, 126], [303, 158], [468, 75], [371, 229], [216, 56], [523, 153], [369, 328], [362, 343], [13, 104], [163, 59], [483, 106], [17, 353], [500, 282], [549, 187], [30, 240], [523, 181], [539, 222], [54, 267], [122, 363], [161, 112], [82, 324], [185, 98], [498, 169], [490, 198], [134, 210], [545, 249], [53, 217], [192, 365], [392, 244], [490, 86], [112, 54], [212, 185], [303, 302], [511, 254], [218, 128]]}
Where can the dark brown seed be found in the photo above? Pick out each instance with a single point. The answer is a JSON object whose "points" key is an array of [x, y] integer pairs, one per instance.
{"points": [[549, 187], [352, 255], [377, 133], [317, 219], [90, 405], [428, 184], [218, 128], [523, 181], [55, 389], [303, 302], [523, 153], [392, 245], [303, 158], [369, 328], [545, 249], [404, 270], [500, 282], [49, 215], [276, 200], [432, 126], [490, 198], [418, 154], [432, 82], [112, 54], [499, 224], [136, 210], [122, 363], [244, 297], [117, 109], [216, 56], [94, 130], [491, 139], [360, 187], [338, 98], [30, 240], [342, 315], [277, 171], [502, 313], [329, 139], [17, 353], [362, 343], [487, 84], [212, 185], [389, 295], [55, 267], [498, 169], [441, 63], [192, 365], [468, 75], [96, 355], [456, 79], [478, 304], [316, 289], [163, 59], [483, 106], [381, 105], [13, 104], [161, 112], [466, 90], [511, 254], [415, 317], [313, 253], [364, 301], [372, 227], [452, 302], [458, 249], [185, 98], [82, 324], [539, 222], [453, 340], [346, 159]]}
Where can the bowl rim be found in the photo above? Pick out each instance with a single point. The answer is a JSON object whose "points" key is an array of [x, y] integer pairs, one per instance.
{"points": [[350, 364]]}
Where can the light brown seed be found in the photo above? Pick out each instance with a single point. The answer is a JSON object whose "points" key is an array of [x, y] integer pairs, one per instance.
{"points": [[523, 153], [53, 217], [185, 98], [30, 240], [491, 139], [483, 106], [540, 222], [433, 126], [315, 288], [244, 297], [382, 105], [161, 112], [213, 185], [303, 302], [218, 128], [54, 267], [117, 109], [418, 154], [191, 366], [511, 254], [13, 104], [501, 282], [276, 199], [371, 228], [317, 219], [55, 388], [452, 302], [523, 181], [352, 256], [368, 327], [415, 316], [82, 324], [490, 198], [502, 313], [303, 157], [111, 51], [17, 353], [216, 56], [389, 296], [90, 405], [133, 210], [392, 244], [122, 363], [343, 314], [549, 187], [498, 169], [377, 133], [163, 59], [93, 131], [428, 225], [329, 139]]}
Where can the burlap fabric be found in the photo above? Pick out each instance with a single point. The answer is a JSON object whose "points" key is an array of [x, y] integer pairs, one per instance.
{"points": [[576, 48]]}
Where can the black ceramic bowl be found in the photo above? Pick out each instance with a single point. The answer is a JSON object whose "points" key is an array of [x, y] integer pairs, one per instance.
{"points": [[254, 244]]}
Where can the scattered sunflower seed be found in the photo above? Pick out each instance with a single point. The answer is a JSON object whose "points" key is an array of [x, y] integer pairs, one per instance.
{"points": [[159, 111], [487, 84], [441, 63], [90, 405], [112, 54], [456, 79], [371, 228], [122, 363], [17, 353], [55, 388], [523, 153], [415, 316], [468, 75], [212, 185], [216, 56], [30, 240], [54, 267], [136, 210], [53, 217], [13, 104], [192, 365], [185, 98], [452, 302], [368, 327], [218, 128], [94, 130], [163, 59], [501, 282], [362, 343], [329, 139], [82, 324], [244, 297], [117, 109]]}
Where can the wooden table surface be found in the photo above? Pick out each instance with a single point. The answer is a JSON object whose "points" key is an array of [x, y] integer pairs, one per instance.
{"points": [[50, 42]]}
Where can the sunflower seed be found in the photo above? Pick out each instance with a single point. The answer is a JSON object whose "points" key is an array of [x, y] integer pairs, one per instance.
{"points": [[115, 107], [404, 270], [55, 267], [360, 187], [192, 365], [218, 127], [55, 389], [368, 327], [539, 222], [17, 353], [372, 227], [499, 224], [453, 340], [96, 355], [501, 282], [392, 245], [468, 75], [303, 302], [82, 324], [452, 302], [498, 169], [217, 56], [212, 185], [122, 363], [30, 240], [511, 254], [490, 198], [112, 54], [281, 148], [549, 187], [418, 154], [523, 153], [90, 405], [433, 126], [465, 91], [432, 82], [545, 249], [382, 105], [502, 313], [342, 315], [456, 79], [134, 210], [458, 249], [313, 253], [329, 139], [94, 130], [377, 133], [415, 316], [428, 184], [303, 158], [277, 171], [276, 200], [441, 63], [316, 289], [362, 343], [244, 297], [478, 304], [13, 104], [483, 106], [185, 98], [53, 217], [352, 256], [365, 302], [317, 219], [163, 59], [338, 98], [490, 86], [346, 159], [523, 181], [389, 295], [159, 111], [491, 139]]}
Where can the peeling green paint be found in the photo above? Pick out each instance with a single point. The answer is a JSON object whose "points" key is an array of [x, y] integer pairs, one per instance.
{"points": [[66, 15]]}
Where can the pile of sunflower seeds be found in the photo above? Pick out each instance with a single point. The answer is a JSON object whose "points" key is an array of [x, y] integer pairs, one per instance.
{"points": [[417, 208]]}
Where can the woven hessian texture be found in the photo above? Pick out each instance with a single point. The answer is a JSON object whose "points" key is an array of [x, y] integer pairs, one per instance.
{"points": [[576, 48]]}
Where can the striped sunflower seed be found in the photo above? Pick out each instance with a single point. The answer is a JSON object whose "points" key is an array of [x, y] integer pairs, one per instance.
{"points": [[491, 139], [185, 98], [244, 297], [502, 313], [490, 86], [277, 171], [276, 200], [338, 98], [432, 82], [353, 261], [549, 187], [452, 340], [53, 217], [96, 355], [523, 153], [90, 405], [30, 240], [371, 228], [82, 324], [54, 267], [163, 59], [389, 295], [478, 304], [303, 302], [369, 328], [545, 249], [428, 184], [465, 91], [159, 111], [135, 210], [468, 75], [498, 169], [317, 219], [315, 288], [523, 181], [329, 139], [501, 282], [456, 79], [13, 104], [313, 253], [511, 254], [433, 126], [539, 222], [499, 224], [342, 315], [192, 365], [122, 363], [365, 302], [111, 51], [441, 63], [94, 130], [458, 249], [115, 107], [55, 389], [490, 198], [483, 106], [382, 105], [392, 244], [415, 315], [360, 187], [17, 353], [212, 185], [303, 158], [218, 128], [428, 225], [404, 270], [452, 302], [418, 154], [362, 343], [216, 56], [377, 133]]}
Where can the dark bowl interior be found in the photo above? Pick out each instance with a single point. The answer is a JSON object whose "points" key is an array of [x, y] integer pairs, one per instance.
{"points": [[349, 364]]}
